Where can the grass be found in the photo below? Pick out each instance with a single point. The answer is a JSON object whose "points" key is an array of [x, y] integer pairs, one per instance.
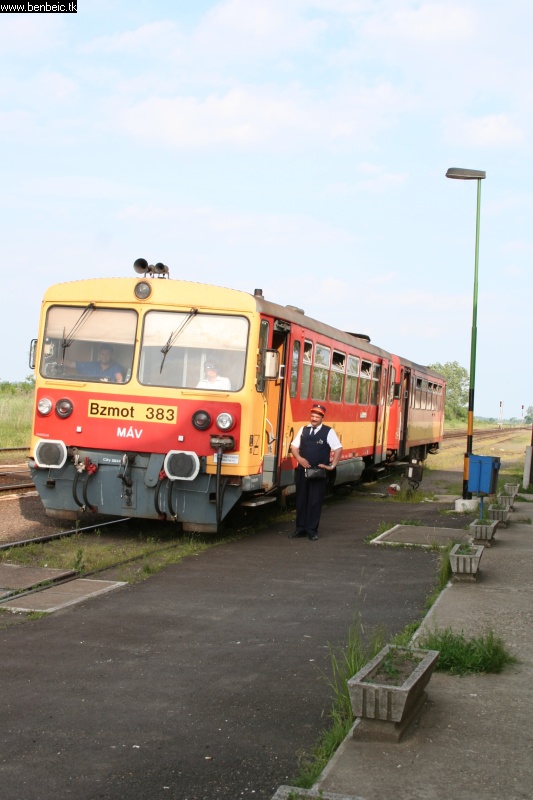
{"points": [[444, 573], [461, 656], [132, 558], [344, 664], [15, 419]]}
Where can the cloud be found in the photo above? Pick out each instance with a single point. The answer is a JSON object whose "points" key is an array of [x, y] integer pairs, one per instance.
{"points": [[28, 35], [239, 28], [491, 130], [14, 122], [377, 181], [79, 187], [264, 230], [427, 24], [248, 117], [153, 39]]}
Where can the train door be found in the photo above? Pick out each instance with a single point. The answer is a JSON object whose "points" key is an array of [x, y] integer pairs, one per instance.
{"points": [[404, 400], [274, 393], [387, 393], [379, 390]]}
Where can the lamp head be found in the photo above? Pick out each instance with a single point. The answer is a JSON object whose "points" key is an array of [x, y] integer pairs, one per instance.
{"points": [[466, 174]]}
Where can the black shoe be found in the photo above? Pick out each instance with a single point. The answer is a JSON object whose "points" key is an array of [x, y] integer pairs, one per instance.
{"points": [[313, 537], [297, 535]]}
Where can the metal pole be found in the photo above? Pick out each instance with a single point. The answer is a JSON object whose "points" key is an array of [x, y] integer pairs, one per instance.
{"points": [[473, 346]]}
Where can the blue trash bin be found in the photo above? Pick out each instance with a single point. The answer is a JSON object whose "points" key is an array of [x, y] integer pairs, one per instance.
{"points": [[483, 474]]}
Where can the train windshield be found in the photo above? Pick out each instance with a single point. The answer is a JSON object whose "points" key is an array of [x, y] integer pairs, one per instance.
{"points": [[187, 350], [88, 343]]}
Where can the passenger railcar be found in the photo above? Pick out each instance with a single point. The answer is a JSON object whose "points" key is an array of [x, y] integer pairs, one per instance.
{"points": [[146, 436]]}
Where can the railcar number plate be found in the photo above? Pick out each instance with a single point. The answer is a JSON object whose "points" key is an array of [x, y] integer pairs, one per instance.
{"points": [[134, 412]]}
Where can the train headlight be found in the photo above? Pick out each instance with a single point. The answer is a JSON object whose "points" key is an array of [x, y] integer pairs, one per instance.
{"points": [[44, 406], [64, 408], [181, 465], [51, 454], [201, 420], [225, 421], [143, 290]]}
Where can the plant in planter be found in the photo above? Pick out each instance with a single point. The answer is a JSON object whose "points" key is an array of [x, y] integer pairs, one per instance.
{"points": [[387, 693], [483, 531], [464, 561], [506, 500], [511, 488], [497, 511]]}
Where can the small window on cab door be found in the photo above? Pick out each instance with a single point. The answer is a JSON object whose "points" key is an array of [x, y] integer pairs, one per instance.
{"points": [[295, 364]]}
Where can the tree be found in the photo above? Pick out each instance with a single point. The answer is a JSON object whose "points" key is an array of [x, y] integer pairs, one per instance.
{"points": [[457, 387], [528, 416]]}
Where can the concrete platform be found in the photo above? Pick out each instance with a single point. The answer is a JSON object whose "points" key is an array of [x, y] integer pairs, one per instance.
{"points": [[422, 536], [474, 737]]}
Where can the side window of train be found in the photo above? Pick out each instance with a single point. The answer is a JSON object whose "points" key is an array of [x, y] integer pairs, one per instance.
{"points": [[306, 370], [431, 396], [336, 386], [425, 403], [319, 386], [418, 393], [376, 378], [392, 379], [295, 363], [383, 391], [352, 374], [364, 383], [264, 333]]}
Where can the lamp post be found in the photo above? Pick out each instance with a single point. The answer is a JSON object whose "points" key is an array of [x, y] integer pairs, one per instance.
{"points": [[471, 175]]}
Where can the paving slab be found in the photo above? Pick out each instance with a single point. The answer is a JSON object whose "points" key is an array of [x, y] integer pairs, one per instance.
{"points": [[422, 536], [66, 594], [16, 577]]}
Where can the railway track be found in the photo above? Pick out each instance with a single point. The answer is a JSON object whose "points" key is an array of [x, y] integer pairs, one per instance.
{"points": [[15, 478], [501, 434]]}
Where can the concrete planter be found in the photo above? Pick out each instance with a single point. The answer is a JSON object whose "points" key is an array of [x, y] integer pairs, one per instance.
{"points": [[483, 532], [506, 500], [465, 565], [511, 488], [387, 703], [501, 514], [292, 793]]}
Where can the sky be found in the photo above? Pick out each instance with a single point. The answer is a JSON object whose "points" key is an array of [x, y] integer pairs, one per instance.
{"points": [[297, 146]]}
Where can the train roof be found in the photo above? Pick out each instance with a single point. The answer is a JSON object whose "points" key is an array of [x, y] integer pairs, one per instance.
{"points": [[202, 295]]}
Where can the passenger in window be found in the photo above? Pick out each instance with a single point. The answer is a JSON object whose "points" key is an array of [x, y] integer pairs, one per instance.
{"points": [[104, 368], [212, 379]]}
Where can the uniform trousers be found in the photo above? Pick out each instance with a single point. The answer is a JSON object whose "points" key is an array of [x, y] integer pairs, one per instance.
{"points": [[309, 498]]}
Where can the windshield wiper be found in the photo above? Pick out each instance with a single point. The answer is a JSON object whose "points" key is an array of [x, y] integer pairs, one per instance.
{"points": [[174, 335], [69, 338]]}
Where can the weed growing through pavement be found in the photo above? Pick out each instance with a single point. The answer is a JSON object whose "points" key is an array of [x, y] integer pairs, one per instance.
{"points": [[344, 664], [460, 656], [78, 565], [383, 527]]}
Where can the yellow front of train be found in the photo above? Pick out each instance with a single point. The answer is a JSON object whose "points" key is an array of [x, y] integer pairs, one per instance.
{"points": [[150, 399]]}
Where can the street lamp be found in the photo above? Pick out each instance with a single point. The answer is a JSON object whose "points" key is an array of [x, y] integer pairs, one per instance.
{"points": [[471, 175]]}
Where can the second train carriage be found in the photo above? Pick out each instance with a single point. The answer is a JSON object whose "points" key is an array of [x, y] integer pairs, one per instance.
{"points": [[152, 441]]}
